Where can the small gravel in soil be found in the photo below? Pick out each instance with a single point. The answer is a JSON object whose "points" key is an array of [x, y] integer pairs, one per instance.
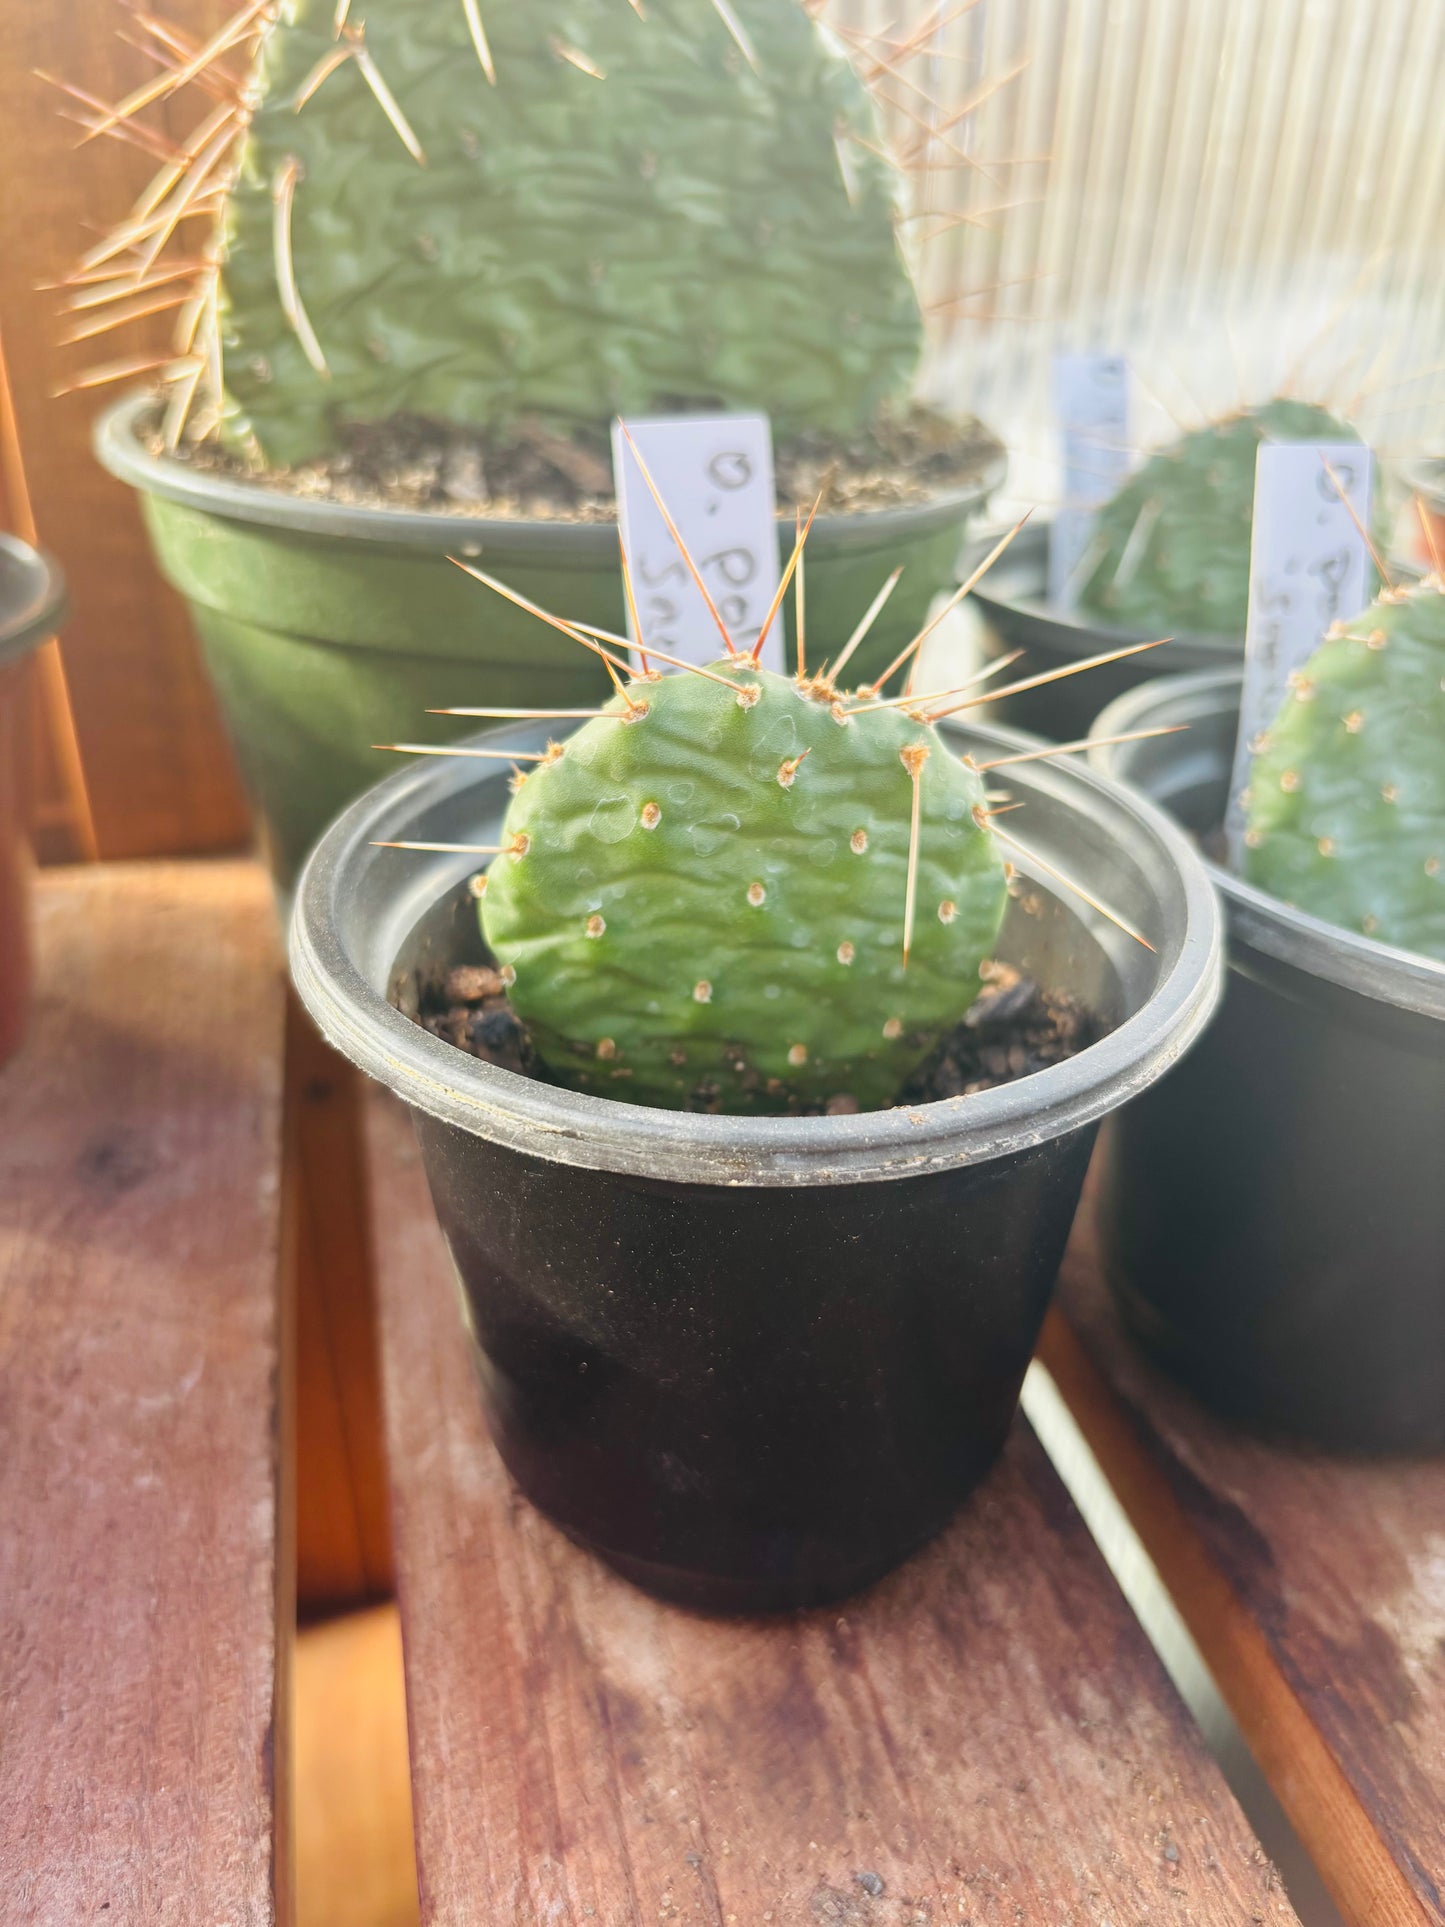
{"points": [[467, 1006], [1013, 1028], [410, 462]]}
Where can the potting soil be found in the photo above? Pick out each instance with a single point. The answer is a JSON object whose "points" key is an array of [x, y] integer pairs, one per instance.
{"points": [[1013, 1028]]}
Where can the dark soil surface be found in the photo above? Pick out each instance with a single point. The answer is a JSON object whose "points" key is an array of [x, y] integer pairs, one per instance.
{"points": [[1014, 1027], [535, 471]]}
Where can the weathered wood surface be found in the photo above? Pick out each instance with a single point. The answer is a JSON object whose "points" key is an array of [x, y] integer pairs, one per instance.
{"points": [[343, 1535], [983, 1738], [1315, 1588], [142, 1600]]}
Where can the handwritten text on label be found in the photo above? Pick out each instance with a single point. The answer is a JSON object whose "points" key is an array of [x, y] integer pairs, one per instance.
{"points": [[715, 473]]}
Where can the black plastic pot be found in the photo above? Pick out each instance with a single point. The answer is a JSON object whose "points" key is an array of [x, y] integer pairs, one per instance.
{"points": [[753, 1363], [1274, 1215], [1013, 598]]}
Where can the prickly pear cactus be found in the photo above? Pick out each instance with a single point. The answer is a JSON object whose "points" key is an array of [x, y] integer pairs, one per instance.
{"points": [[480, 209], [1171, 550], [1346, 798], [705, 896]]}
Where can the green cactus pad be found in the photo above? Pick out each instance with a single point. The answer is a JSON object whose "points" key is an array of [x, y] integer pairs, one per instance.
{"points": [[1346, 798], [705, 905], [1172, 547], [678, 230]]}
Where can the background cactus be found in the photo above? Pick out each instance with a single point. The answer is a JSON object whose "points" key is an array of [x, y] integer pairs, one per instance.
{"points": [[1171, 549], [1346, 798], [480, 209], [745, 893]]}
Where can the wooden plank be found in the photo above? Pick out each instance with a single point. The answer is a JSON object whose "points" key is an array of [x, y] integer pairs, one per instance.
{"points": [[61, 818], [1315, 1589], [144, 1610], [984, 1737], [159, 770]]}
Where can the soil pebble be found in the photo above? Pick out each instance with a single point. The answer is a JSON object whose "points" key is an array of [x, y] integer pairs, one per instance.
{"points": [[1014, 1028]]}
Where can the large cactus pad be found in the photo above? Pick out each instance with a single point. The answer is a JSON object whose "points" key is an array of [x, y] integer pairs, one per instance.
{"points": [[1172, 547], [704, 903], [1346, 799], [632, 216]]}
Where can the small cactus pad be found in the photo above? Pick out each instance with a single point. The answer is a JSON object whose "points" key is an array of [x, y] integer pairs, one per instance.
{"points": [[704, 900], [1171, 550], [635, 214], [1346, 799]]}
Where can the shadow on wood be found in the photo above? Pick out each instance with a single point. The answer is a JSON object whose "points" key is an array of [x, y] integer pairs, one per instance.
{"points": [[343, 1537]]}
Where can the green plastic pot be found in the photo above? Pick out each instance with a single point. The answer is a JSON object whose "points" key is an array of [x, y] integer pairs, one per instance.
{"points": [[328, 627]]}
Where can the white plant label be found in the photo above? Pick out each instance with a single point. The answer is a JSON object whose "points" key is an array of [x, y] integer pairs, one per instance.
{"points": [[1091, 406], [1309, 566], [715, 473]]}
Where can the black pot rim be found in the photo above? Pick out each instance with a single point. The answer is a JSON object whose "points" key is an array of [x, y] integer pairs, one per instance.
{"points": [[570, 1127], [1013, 592], [120, 451], [32, 597], [1343, 957]]}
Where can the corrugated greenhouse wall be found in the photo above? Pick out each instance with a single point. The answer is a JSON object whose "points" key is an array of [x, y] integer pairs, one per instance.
{"points": [[1240, 194]]}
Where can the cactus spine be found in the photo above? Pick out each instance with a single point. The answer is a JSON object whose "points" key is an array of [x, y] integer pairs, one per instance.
{"points": [[1345, 809], [1171, 549], [482, 209]]}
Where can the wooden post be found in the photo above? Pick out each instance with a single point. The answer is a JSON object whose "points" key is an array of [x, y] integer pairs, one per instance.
{"points": [[61, 798]]}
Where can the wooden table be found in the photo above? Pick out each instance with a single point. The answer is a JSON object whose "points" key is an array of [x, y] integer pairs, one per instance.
{"points": [[144, 1583], [986, 1738]]}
